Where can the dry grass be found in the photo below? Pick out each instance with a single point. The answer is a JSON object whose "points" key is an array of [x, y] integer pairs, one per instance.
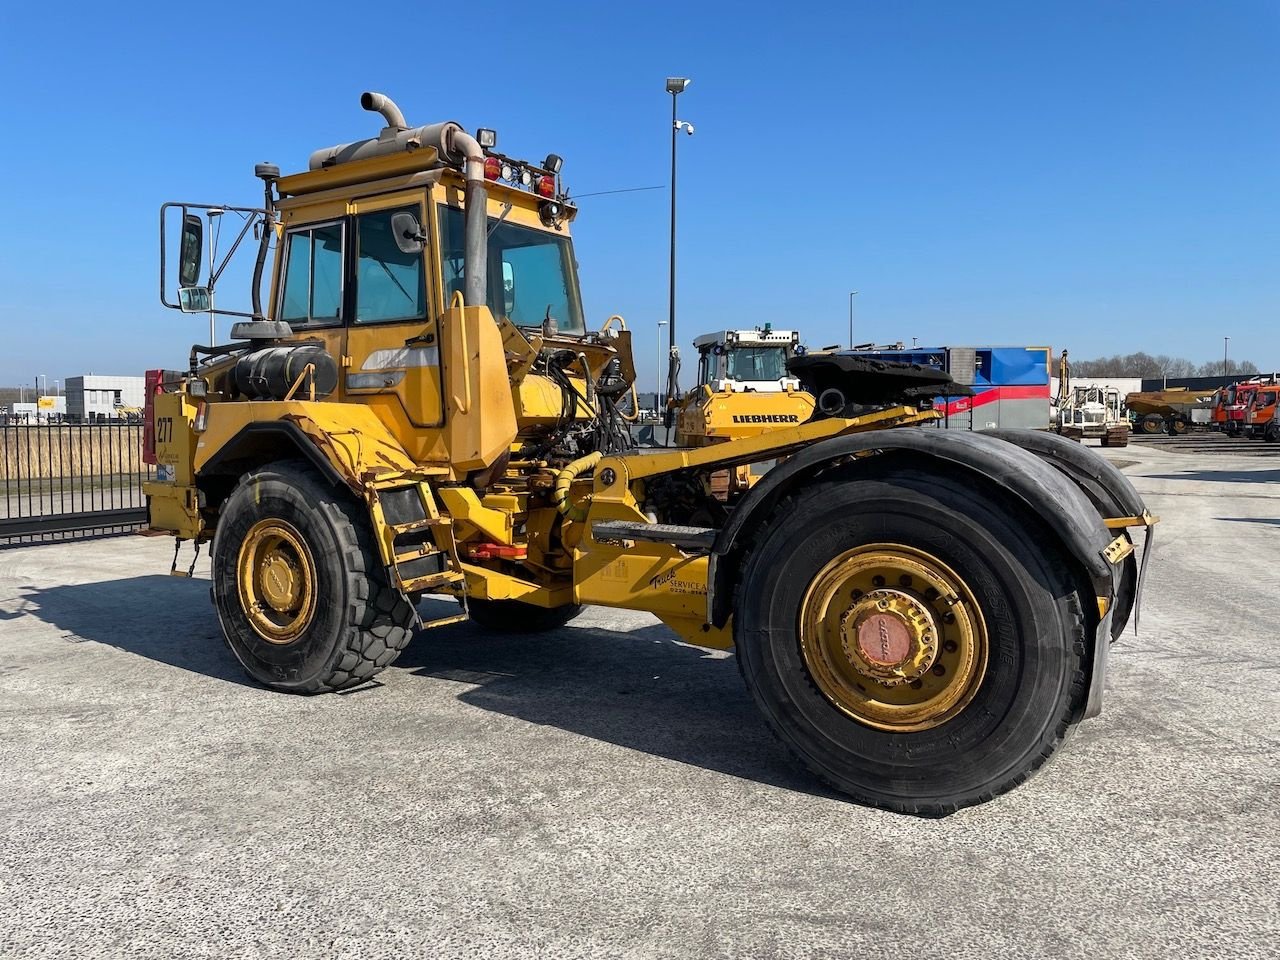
{"points": [[87, 450]]}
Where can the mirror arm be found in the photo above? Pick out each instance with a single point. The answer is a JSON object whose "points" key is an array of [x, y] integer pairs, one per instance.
{"points": [[249, 222]]}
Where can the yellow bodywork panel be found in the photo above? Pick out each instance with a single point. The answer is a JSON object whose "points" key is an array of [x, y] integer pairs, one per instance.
{"points": [[471, 516], [480, 422], [708, 416], [349, 435], [172, 498]]}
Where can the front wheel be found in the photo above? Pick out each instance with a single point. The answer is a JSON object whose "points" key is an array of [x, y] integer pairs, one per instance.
{"points": [[912, 639], [303, 598]]}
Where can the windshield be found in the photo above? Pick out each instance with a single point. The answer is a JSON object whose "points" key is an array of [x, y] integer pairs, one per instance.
{"points": [[757, 363], [532, 273]]}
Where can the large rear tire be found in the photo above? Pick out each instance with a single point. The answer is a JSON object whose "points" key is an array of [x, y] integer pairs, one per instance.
{"points": [[916, 640], [1152, 423], [303, 598], [512, 616]]}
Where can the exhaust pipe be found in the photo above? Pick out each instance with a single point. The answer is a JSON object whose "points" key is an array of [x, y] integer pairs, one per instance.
{"points": [[476, 230], [454, 146], [381, 103]]}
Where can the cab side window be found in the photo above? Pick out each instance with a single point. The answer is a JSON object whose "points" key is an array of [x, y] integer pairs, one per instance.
{"points": [[390, 284], [313, 276]]}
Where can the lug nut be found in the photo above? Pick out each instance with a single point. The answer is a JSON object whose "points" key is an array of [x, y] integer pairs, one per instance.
{"points": [[931, 594], [877, 581], [949, 618], [950, 646], [939, 669], [856, 595]]}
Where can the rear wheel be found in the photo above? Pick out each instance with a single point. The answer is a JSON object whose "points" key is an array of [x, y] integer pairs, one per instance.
{"points": [[911, 639], [512, 616], [1151, 423], [303, 598]]}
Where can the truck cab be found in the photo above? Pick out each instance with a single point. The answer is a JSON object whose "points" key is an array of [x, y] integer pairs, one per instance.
{"points": [[1260, 416], [1230, 405]]}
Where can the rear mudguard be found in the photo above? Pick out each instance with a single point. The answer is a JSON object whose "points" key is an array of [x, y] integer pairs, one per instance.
{"points": [[1099, 478], [1047, 491], [1111, 493]]}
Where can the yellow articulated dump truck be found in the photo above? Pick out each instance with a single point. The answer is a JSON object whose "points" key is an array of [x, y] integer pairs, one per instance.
{"points": [[419, 406]]}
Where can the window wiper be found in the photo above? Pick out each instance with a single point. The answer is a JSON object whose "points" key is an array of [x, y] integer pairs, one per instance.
{"points": [[506, 208], [399, 285]]}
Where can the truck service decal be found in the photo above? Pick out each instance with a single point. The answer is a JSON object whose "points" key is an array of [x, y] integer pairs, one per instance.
{"points": [[670, 581]]}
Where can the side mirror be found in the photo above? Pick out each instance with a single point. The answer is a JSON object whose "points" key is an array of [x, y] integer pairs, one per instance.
{"points": [[408, 232], [508, 289], [194, 299], [192, 245]]}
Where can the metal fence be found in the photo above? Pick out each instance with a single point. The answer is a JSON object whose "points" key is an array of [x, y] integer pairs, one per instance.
{"points": [[70, 480]]}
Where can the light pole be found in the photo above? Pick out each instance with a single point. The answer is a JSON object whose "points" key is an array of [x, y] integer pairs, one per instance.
{"points": [[675, 87], [39, 391], [852, 294], [1225, 370], [657, 396]]}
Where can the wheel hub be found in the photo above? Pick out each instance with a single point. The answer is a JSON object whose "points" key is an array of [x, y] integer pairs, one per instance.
{"points": [[281, 581], [276, 581], [889, 636], [893, 637]]}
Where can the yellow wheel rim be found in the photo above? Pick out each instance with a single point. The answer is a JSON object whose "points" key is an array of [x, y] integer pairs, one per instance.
{"points": [[893, 637], [276, 580]]}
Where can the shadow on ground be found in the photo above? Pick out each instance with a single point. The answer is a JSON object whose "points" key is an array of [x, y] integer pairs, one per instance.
{"points": [[1220, 476], [1266, 520], [639, 689], [166, 619]]}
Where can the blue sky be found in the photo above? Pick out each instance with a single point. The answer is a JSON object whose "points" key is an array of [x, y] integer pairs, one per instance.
{"points": [[1097, 176]]}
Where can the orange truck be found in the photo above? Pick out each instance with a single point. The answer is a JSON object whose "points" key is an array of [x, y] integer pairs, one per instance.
{"points": [[1260, 420], [1230, 404]]}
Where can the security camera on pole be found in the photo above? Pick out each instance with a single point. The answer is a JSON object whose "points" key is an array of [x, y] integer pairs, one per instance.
{"points": [[675, 86]]}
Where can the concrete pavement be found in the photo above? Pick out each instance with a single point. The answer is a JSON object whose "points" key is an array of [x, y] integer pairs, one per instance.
{"points": [[605, 791]]}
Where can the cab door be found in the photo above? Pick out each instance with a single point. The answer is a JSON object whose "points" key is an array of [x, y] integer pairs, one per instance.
{"points": [[393, 342]]}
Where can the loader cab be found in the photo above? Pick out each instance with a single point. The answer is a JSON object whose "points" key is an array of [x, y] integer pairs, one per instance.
{"points": [[370, 257], [745, 361]]}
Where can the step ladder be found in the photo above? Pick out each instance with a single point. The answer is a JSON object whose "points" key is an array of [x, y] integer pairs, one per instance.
{"points": [[417, 564]]}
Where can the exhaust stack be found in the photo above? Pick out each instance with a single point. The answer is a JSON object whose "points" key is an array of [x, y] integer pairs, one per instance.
{"points": [[455, 147], [381, 103]]}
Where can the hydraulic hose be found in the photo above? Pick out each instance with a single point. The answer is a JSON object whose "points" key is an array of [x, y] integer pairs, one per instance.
{"points": [[564, 480]]}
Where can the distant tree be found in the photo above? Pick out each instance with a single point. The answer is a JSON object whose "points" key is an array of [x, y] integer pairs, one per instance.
{"points": [[1161, 366], [1138, 364]]}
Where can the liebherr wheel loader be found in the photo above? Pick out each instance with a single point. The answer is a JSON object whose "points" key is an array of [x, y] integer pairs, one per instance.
{"points": [[419, 407]]}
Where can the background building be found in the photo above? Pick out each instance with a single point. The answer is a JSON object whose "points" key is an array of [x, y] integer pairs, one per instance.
{"points": [[105, 398], [42, 410]]}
